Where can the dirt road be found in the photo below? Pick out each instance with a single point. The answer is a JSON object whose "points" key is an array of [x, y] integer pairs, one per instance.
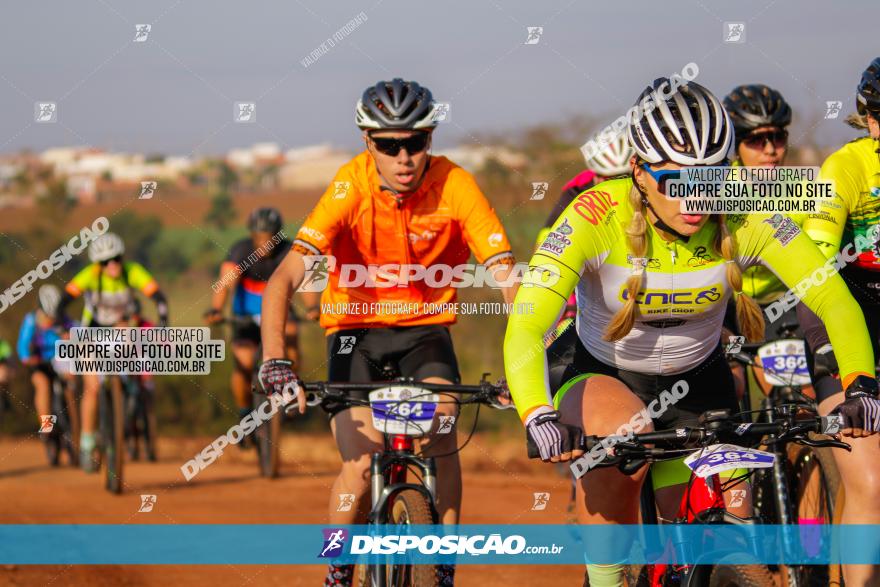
{"points": [[499, 486]]}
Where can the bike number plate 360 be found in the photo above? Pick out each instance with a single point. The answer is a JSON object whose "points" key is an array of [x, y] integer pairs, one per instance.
{"points": [[785, 362], [403, 410], [724, 457]]}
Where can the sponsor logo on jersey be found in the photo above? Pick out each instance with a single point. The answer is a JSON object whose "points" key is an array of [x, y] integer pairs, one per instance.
{"points": [[649, 262], [557, 240], [675, 301], [594, 205], [785, 227], [699, 257]]}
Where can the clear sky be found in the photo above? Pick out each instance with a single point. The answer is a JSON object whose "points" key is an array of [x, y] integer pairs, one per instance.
{"points": [[175, 93]]}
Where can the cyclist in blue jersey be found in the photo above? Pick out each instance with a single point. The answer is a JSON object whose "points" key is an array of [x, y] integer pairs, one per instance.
{"points": [[36, 346], [245, 271]]}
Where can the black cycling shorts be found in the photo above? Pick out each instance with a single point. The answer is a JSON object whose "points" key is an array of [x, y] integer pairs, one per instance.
{"points": [[362, 355], [710, 386], [44, 368]]}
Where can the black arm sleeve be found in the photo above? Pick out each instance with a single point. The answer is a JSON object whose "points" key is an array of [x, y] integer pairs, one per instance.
{"points": [[61, 312]]}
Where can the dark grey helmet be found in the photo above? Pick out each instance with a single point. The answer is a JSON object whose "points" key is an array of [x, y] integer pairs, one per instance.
{"points": [[868, 92], [265, 220], [755, 105], [397, 104]]}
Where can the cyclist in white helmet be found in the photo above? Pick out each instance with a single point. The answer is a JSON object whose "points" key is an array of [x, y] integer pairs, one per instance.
{"points": [[611, 160], [108, 286]]}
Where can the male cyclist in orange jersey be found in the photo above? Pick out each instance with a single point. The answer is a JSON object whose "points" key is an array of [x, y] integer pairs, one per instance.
{"points": [[392, 204]]}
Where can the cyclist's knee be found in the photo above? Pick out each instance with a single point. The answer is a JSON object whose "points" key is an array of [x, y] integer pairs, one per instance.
{"points": [[243, 356], [600, 404], [355, 475]]}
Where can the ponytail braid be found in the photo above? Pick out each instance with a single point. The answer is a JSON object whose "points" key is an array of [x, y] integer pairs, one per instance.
{"points": [[748, 312], [637, 241]]}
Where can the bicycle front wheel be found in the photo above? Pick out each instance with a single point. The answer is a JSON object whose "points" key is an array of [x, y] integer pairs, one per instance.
{"points": [[409, 507], [113, 432], [815, 488]]}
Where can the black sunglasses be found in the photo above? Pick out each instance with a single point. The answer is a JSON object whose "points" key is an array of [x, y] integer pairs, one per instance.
{"points": [[757, 140], [116, 259], [413, 144]]}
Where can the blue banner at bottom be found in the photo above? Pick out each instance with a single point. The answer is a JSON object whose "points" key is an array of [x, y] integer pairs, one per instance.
{"points": [[174, 544]]}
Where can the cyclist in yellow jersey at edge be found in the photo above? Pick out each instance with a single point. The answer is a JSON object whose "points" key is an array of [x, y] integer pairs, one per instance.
{"points": [[644, 327]]}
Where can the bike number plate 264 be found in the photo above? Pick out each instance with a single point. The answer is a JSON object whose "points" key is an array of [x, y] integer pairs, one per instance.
{"points": [[785, 362], [724, 457], [403, 410]]}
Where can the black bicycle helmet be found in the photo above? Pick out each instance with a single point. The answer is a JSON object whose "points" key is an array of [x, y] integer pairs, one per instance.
{"points": [[396, 104], [690, 127], [868, 92], [265, 220], [755, 105]]}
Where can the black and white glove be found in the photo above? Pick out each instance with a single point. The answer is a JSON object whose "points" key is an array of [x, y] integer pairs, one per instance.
{"points": [[550, 439], [860, 411]]}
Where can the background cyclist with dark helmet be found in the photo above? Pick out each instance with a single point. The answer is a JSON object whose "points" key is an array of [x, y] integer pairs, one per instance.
{"points": [[852, 217], [247, 279], [760, 117]]}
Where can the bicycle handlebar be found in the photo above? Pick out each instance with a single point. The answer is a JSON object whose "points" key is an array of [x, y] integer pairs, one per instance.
{"points": [[719, 425]]}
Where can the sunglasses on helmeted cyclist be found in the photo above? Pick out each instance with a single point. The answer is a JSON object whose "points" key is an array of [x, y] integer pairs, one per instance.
{"points": [[661, 176], [413, 144], [116, 259], [757, 140]]}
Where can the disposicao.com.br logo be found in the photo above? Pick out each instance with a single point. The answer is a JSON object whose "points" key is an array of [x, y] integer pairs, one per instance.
{"points": [[430, 544]]}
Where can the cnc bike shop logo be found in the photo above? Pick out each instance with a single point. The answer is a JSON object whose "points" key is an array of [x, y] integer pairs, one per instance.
{"points": [[677, 301], [334, 542]]}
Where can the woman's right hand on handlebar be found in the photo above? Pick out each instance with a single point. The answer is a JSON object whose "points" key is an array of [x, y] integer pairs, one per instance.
{"points": [[555, 441], [277, 376]]}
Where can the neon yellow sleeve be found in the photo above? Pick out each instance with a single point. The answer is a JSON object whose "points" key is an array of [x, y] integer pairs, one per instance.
{"points": [[139, 278], [826, 226], [579, 241], [777, 242]]}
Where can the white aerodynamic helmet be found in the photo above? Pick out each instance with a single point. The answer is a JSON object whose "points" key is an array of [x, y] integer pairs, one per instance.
{"points": [[105, 247], [689, 127], [49, 296], [613, 158]]}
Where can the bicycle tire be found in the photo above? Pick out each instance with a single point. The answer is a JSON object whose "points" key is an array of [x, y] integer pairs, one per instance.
{"points": [[113, 433], [741, 576], [267, 438], [817, 464], [409, 506], [71, 440], [148, 419]]}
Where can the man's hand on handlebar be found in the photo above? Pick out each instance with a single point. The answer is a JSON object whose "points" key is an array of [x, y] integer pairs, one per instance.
{"points": [[277, 376], [555, 441]]}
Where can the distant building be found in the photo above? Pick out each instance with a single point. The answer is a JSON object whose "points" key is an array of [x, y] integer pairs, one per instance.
{"points": [[474, 157], [311, 167]]}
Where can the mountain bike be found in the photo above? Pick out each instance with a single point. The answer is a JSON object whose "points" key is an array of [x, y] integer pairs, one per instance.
{"points": [[803, 485], [64, 434], [403, 410], [713, 446]]}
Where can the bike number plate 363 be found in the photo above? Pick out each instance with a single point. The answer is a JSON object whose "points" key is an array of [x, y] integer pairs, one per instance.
{"points": [[403, 410], [724, 457], [785, 362]]}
